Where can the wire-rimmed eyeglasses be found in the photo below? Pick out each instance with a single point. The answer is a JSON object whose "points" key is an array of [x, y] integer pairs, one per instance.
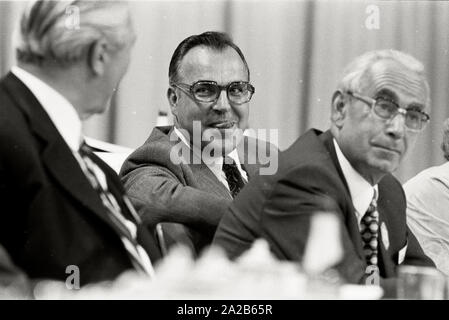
{"points": [[415, 119]]}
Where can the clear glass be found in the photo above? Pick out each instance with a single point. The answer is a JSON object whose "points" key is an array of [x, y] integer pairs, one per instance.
{"points": [[420, 283]]}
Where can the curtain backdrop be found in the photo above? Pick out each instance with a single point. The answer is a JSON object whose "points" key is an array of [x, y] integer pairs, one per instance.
{"points": [[296, 51]]}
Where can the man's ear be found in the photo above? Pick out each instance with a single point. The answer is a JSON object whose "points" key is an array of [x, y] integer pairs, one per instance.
{"points": [[98, 57], [338, 111], [172, 100]]}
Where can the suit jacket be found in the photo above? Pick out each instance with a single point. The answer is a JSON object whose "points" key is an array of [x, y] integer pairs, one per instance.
{"points": [[188, 194], [278, 208], [51, 215]]}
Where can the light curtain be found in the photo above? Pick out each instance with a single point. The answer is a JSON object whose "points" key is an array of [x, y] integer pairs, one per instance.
{"points": [[296, 51]]}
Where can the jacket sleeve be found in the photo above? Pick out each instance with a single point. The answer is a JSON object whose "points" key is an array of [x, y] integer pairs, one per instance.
{"points": [[159, 196], [280, 212], [415, 254]]}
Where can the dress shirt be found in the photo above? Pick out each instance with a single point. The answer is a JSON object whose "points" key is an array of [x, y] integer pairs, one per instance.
{"points": [[361, 190]]}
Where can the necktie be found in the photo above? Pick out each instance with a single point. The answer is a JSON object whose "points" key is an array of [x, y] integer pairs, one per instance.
{"points": [[369, 227], [233, 176], [128, 229]]}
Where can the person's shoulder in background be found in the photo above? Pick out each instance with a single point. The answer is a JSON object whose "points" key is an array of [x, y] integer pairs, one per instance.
{"points": [[427, 201]]}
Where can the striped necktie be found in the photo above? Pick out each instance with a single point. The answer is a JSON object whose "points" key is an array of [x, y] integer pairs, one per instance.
{"points": [[128, 229], [369, 227], [233, 176]]}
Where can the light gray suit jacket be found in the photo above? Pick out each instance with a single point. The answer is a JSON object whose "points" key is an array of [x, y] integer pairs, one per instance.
{"points": [[187, 194]]}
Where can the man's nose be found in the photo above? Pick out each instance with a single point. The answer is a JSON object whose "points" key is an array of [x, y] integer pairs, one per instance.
{"points": [[396, 126], [222, 103]]}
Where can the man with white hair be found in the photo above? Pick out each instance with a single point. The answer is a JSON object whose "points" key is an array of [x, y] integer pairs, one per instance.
{"points": [[377, 112], [64, 212]]}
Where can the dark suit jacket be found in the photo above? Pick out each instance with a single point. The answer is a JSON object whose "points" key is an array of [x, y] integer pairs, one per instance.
{"points": [[278, 208], [51, 216], [188, 194]]}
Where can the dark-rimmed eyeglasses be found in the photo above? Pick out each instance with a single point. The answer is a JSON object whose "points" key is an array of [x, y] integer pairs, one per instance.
{"points": [[415, 120], [238, 92]]}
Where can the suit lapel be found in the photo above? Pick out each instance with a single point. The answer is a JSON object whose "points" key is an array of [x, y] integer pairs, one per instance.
{"points": [[252, 169], [350, 217], [248, 161], [207, 178], [247, 152], [144, 238], [203, 175], [354, 232], [386, 264], [56, 155]]}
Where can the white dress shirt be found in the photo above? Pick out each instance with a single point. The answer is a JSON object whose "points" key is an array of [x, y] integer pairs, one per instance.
{"points": [[216, 166], [361, 190]]}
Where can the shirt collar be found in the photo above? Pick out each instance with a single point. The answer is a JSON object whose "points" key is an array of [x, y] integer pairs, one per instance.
{"points": [[217, 164], [361, 191], [59, 109]]}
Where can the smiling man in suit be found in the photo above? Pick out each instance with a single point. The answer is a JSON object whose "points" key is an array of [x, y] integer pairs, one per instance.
{"points": [[187, 174], [377, 112], [62, 207]]}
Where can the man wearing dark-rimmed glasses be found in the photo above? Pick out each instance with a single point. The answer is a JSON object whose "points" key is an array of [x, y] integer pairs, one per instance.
{"points": [[377, 112], [209, 93]]}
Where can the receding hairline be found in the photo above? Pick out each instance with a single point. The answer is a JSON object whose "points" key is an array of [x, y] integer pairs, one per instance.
{"points": [[210, 49], [361, 69]]}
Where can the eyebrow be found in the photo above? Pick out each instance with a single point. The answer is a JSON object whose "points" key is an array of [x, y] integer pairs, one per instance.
{"points": [[387, 93], [392, 96]]}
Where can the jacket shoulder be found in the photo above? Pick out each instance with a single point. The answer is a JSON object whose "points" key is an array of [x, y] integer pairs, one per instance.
{"points": [[157, 151], [15, 131]]}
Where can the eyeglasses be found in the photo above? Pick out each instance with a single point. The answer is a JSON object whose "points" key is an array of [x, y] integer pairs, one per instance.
{"points": [[415, 120], [238, 92]]}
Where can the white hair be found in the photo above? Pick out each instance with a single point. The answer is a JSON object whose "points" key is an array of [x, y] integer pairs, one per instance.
{"points": [[356, 71], [63, 31]]}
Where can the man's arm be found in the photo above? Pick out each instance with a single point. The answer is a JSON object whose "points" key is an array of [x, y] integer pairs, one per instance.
{"points": [[415, 254], [280, 212], [159, 196]]}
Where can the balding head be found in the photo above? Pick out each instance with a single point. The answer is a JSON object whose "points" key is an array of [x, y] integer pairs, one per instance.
{"points": [[357, 73]]}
